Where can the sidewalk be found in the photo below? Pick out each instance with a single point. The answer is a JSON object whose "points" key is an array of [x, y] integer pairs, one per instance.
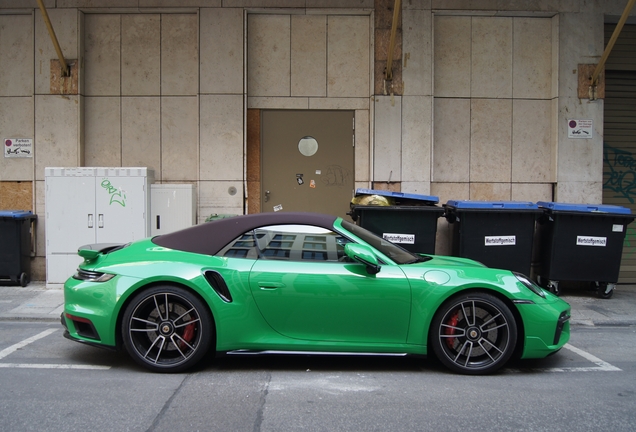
{"points": [[37, 303]]}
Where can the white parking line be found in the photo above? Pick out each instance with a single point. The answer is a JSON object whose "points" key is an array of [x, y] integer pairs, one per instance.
{"points": [[13, 348], [601, 366], [52, 366]]}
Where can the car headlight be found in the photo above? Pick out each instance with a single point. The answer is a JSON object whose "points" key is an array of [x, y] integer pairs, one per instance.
{"points": [[529, 284], [92, 276]]}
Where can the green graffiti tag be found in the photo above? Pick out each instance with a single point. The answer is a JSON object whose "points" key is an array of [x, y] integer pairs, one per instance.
{"points": [[116, 195], [621, 173], [629, 243]]}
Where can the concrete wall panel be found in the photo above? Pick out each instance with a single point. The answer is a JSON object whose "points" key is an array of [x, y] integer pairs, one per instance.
{"points": [[416, 138], [490, 191], [220, 197], [269, 54], [532, 192], [179, 55], [16, 121], [491, 140], [533, 62], [102, 55], [141, 55], [56, 132], [179, 138], [451, 140], [16, 55], [491, 58], [452, 56], [102, 139], [221, 148], [580, 160], [532, 145], [309, 55], [362, 146], [221, 51], [387, 155], [416, 46], [348, 56], [141, 132]]}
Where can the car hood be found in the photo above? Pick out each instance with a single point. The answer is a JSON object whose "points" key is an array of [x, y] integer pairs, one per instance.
{"points": [[447, 261]]}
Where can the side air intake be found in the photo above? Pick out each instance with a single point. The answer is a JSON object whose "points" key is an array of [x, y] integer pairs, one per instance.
{"points": [[218, 285]]}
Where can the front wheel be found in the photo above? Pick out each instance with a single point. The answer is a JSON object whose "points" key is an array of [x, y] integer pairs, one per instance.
{"points": [[167, 329], [474, 334]]}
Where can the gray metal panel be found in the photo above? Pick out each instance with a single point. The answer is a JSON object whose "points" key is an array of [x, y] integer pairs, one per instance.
{"points": [[619, 137]]}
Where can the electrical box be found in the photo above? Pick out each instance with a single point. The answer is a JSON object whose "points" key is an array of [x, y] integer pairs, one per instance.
{"points": [[173, 207], [92, 205]]}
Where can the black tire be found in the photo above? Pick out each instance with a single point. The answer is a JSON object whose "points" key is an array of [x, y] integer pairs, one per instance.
{"points": [[474, 334], [167, 329], [24, 279]]}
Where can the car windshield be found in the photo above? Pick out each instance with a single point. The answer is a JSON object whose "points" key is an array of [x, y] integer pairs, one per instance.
{"points": [[393, 251]]}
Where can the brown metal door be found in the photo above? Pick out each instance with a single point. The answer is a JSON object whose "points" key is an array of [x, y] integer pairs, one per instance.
{"points": [[307, 161]]}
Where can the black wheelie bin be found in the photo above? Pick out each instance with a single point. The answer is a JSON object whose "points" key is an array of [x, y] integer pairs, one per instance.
{"points": [[17, 239], [498, 234], [409, 220], [581, 242]]}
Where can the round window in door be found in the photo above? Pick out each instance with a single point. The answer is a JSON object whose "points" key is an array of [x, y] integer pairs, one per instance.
{"points": [[308, 146]]}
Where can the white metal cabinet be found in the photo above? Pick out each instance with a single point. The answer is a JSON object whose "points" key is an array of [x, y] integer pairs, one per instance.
{"points": [[92, 205], [173, 207]]}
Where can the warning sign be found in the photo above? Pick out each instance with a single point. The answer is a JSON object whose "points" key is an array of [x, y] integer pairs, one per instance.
{"points": [[580, 129], [18, 147]]}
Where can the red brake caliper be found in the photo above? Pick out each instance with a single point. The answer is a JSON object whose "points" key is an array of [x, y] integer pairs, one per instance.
{"points": [[452, 323], [188, 334]]}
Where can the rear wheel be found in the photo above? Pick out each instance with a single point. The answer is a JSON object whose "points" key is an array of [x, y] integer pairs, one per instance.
{"points": [[474, 334], [167, 329]]}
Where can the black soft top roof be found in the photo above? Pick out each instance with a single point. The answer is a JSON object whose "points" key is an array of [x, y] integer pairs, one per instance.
{"points": [[209, 238]]}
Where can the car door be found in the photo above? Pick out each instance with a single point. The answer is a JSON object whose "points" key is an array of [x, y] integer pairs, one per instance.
{"points": [[306, 288]]}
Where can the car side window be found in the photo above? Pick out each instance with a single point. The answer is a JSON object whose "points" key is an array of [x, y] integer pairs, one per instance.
{"points": [[300, 243], [242, 247]]}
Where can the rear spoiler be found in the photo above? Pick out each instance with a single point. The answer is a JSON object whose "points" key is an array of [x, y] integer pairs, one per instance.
{"points": [[91, 251]]}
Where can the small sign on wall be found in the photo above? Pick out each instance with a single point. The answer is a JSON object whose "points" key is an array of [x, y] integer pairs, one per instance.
{"points": [[580, 129], [18, 147]]}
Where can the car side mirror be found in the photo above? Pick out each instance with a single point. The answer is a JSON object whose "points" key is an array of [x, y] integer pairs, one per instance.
{"points": [[364, 255]]}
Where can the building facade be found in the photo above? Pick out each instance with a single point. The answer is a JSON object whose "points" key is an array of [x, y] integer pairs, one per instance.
{"points": [[479, 106]]}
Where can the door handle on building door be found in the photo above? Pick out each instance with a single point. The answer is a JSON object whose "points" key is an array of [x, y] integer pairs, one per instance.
{"points": [[90, 220], [266, 196], [100, 221]]}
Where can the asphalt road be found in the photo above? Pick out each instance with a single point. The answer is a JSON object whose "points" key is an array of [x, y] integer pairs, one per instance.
{"points": [[50, 383]]}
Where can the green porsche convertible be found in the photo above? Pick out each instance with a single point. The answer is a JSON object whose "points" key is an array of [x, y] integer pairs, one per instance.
{"points": [[303, 283]]}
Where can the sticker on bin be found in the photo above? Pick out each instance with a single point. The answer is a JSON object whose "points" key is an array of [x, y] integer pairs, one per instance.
{"points": [[399, 238], [500, 240], [617, 228], [591, 241]]}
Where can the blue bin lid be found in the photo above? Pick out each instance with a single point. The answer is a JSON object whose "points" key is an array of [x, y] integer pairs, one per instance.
{"points": [[15, 214], [492, 205], [427, 198], [584, 208]]}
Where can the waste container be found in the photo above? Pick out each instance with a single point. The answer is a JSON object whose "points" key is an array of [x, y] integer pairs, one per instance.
{"points": [[581, 242], [410, 222], [16, 244], [498, 234]]}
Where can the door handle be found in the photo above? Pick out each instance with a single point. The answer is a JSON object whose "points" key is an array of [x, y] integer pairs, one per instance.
{"points": [[270, 285], [90, 220], [100, 221], [266, 196]]}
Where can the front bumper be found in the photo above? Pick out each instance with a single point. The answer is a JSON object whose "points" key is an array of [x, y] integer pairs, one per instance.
{"points": [[547, 327]]}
